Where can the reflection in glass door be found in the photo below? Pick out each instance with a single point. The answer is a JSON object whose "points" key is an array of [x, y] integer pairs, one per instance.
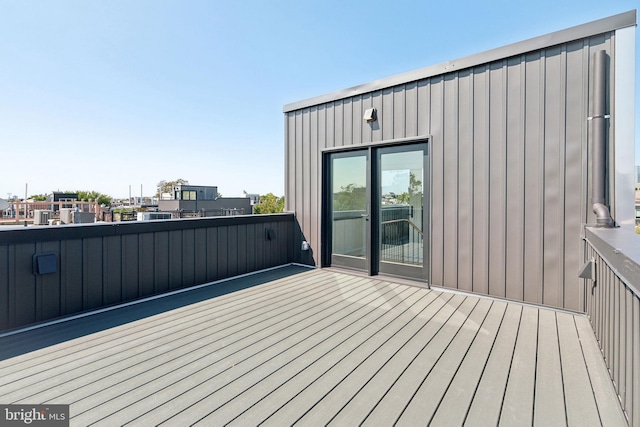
{"points": [[348, 209], [400, 199]]}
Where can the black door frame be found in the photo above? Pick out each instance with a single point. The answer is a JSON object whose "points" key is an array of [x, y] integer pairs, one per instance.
{"points": [[372, 237]]}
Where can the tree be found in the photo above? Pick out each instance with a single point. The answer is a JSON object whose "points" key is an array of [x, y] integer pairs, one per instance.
{"points": [[269, 203], [91, 196], [167, 186], [351, 198], [39, 197]]}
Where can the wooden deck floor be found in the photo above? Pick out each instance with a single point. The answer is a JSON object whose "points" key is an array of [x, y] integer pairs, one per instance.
{"points": [[321, 347]]}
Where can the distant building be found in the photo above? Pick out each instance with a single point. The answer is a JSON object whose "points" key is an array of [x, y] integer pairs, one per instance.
{"points": [[58, 196], [203, 201]]}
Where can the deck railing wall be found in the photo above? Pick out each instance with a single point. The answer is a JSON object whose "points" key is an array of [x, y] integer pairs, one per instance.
{"points": [[99, 265], [613, 306]]}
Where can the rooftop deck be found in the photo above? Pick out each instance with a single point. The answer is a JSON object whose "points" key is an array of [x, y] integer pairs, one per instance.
{"points": [[315, 347]]}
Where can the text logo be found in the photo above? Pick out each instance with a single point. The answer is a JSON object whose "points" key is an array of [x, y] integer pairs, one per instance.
{"points": [[34, 415]]}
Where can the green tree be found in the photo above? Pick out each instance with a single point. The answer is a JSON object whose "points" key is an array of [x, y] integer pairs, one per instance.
{"points": [[350, 198], [39, 197], [269, 203], [91, 196], [167, 186]]}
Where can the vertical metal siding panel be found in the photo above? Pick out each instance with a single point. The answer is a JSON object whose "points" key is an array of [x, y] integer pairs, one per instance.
{"points": [[243, 246], [223, 252], [338, 123], [367, 127], [130, 263], [175, 259], [450, 181], [200, 247], [497, 179], [377, 126], [515, 180], [481, 180], [51, 286], [146, 244], [322, 143], [357, 121], [71, 275], [299, 192], [411, 109], [232, 250], [437, 184], [307, 168], [387, 115], [24, 285], [290, 162], [330, 125], [188, 257], [4, 286], [251, 247], [112, 270], [399, 112], [615, 336], [465, 180], [575, 137], [315, 186], [92, 271], [554, 170], [622, 342], [636, 363], [629, 355], [161, 261], [533, 178], [347, 122], [424, 108], [212, 254]]}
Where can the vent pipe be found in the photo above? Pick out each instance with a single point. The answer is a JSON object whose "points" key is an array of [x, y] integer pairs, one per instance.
{"points": [[599, 172]]}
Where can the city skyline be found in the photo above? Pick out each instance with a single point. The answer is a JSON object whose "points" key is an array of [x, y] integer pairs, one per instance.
{"points": [[102, 96]]}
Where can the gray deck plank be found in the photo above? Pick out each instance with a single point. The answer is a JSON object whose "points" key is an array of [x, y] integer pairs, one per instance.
{"points": [[223, 406], [353, 351], [319, 377], [549, 398], [316, 347], [390, 407], [457, 400], [112, 354], [343, 372], [112, 351], [581, 405], [209, 360], [425, 401], [487, 398], [181, 387], [517, 406], [75, 349], [610, 411]]}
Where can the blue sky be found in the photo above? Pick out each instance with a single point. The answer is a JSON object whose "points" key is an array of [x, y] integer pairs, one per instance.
{"points": [[108, 95]]}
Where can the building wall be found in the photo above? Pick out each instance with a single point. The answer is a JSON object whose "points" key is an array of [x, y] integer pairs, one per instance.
{"points": [[509, 164]]}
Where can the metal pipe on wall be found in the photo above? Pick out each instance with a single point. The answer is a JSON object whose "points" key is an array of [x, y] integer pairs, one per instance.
{"points": [[599, 117]]}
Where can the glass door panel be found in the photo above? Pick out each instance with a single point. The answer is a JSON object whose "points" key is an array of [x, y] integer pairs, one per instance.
{"points": [[401, 199], [348, 209]]}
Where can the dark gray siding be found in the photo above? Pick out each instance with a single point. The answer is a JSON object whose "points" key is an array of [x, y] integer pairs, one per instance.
{"points": [[509, 166], [101, 265], [613, 307]]}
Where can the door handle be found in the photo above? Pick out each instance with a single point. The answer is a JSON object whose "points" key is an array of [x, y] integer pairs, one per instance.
{"points": [[365, 216]]}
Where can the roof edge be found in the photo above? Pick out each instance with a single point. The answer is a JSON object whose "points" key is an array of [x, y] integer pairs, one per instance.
{"points": [[611, 23]]}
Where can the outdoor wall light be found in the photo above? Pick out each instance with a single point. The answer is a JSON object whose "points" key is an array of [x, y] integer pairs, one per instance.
{"points": [[370, 115]]}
